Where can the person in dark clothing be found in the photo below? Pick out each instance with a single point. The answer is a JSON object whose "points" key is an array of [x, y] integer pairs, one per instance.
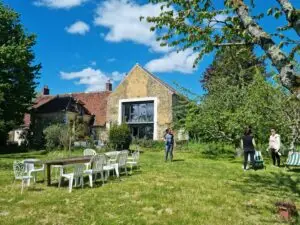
{"points": [[169, 141], [248, 144]]}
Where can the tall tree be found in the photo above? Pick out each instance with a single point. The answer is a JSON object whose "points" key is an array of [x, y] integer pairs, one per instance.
{"points": [[237, 95], [203, 26], [18, 72]]}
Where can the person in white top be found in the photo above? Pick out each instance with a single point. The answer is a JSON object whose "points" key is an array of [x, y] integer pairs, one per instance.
{"points": [[274, 147]]}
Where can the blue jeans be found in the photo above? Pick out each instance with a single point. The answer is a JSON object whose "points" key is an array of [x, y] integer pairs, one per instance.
{"points": [[169, 150]]}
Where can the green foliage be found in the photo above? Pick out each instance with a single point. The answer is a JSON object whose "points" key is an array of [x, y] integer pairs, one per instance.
{"points": [[81, 129], [56, 136], [17, 71], [238, 95], [217, 149], [203, 27], [150, 144], [120, 136]]}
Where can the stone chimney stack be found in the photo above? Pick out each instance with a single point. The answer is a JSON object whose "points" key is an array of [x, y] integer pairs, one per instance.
{"points": [[108, 86], [46, 90]]}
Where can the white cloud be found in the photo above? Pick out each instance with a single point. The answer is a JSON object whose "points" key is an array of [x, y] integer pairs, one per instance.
{"points": [[111, 60], [174, 62], [78, 27], [122, 18], [59, 4], [93, 63], [93, 79], [116, 76]]}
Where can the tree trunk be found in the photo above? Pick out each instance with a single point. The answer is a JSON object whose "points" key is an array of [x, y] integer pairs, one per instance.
{"points": [[292, 15], [287, 73]]}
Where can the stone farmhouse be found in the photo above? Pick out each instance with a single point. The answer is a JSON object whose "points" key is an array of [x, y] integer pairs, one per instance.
{"points": [[141, 100]]}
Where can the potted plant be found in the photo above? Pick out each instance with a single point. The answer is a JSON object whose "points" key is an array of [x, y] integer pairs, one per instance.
{"points": [[286, 209]]}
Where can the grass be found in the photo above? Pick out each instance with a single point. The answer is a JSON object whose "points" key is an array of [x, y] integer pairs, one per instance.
{"points": [[190, 190]]}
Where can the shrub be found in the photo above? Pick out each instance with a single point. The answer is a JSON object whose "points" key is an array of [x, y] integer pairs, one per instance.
{"points": [[216, 149], [120, 136], [146, 143], [56, 135]]}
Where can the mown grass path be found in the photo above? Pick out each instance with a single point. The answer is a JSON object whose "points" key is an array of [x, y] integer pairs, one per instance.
{"points": [[190, 190]]}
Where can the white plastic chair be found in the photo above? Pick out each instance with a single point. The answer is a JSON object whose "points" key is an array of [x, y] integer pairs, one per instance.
{"points": [[75, 176], [110, 167], [97, 162], [120, 162], [20, 174], [88, 152], [133, 160], [31, 169]]}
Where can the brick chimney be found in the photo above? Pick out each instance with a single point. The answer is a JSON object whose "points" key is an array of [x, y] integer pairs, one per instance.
{"points": [[46, 90], [108, 86]]}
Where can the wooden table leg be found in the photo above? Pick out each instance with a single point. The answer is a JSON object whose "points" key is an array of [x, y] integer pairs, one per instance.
{"points": [[48, 174]]}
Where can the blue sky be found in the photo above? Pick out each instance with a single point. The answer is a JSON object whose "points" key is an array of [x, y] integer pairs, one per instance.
{"points": [[83, 43]]}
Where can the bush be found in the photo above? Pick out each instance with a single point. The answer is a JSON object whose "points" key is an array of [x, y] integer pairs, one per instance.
{"points": [[216, 149], [120, 136], [146, 143], [56, 135]]}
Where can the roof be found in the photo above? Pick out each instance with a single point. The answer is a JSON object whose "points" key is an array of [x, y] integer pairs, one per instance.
{"points": [[94, 102], [60, 103]]}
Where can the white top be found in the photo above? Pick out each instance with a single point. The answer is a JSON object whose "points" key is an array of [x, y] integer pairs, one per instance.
{"points": [[274, 142]]}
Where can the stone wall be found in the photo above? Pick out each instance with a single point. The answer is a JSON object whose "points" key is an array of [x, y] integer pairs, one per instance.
{"points": [[140, 84]]}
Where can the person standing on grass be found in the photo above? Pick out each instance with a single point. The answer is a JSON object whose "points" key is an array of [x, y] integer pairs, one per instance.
{"points": [[169, 142], [248, 145], [274, 147]]}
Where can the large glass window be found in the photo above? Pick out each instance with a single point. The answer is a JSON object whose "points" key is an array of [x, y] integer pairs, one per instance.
{"points": [[138, 112], [140, 117]]}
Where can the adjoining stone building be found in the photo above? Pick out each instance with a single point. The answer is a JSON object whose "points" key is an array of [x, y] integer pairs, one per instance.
{"points": [[141, 100]]}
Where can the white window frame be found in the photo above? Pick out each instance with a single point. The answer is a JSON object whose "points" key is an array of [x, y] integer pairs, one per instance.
{"points": [[155, 102]]}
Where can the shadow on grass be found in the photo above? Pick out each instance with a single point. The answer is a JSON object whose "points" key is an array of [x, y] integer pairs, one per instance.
{"points": [[34, 189], [23, 155], [272, 182], [178, 160], [293, 169]]}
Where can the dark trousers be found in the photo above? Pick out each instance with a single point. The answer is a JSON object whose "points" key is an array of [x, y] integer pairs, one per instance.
{"points": [[251, 153], [169, 150], [275, 157]]}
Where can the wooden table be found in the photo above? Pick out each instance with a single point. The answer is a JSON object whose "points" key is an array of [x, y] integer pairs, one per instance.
{"points": [[62, 162]]}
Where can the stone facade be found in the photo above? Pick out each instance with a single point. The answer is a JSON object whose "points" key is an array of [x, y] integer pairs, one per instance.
{"points": [[140, 84]]}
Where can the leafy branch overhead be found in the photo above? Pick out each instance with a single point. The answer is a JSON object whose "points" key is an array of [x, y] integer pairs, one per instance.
{"points": [[201, 26]]}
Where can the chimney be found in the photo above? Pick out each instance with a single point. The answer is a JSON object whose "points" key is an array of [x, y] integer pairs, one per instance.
{"points": [[46, 90], [108, 86]]}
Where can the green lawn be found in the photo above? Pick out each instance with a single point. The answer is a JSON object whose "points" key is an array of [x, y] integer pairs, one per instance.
{"points": [[190, 190]]}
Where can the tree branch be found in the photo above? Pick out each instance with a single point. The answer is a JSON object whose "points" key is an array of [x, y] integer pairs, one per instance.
{"points": [[288, 76], [292, 15], [232, 44]]}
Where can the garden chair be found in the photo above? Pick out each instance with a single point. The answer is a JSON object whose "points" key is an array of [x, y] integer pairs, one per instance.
{"points": [[108, 166], [293, 159], [133, 160], [121, 161], [20, 174], [31, 169], [88, 152], [97, 163], [76, 176]]}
